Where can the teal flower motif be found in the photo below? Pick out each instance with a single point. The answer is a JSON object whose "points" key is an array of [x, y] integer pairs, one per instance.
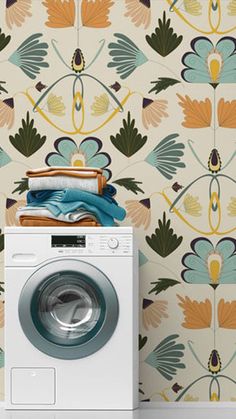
{"points": [[29, 56], [126, 56], [166, 156], [85, 155], [165, 358], [210, 64], [209, 264], [2, 358], [4, 158]]}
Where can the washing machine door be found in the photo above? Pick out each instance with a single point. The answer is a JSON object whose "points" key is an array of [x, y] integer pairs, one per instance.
{"points": [[68, 309]]}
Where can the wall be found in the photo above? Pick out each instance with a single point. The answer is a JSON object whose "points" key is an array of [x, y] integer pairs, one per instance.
{"points": [[158, 113]]}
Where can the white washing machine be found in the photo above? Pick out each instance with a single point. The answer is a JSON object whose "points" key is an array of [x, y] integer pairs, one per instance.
{"points": [[71, 336]]}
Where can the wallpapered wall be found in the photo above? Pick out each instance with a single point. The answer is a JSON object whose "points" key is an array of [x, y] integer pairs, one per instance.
{"points": [[145, 90]]}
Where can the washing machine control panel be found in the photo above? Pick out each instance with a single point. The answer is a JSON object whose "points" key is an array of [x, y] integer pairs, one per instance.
{"points": [[68, 241], [93, 244]]}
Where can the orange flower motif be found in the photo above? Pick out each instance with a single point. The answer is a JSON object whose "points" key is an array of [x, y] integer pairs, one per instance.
{"points": [[198, 114], [227, 314], [7, 112], [17, 11], [61, 13], [197, 315], [226, 113], [94, 14], [153, 111], [139, 212], [1, 314], [139, 12], [153, 312]]}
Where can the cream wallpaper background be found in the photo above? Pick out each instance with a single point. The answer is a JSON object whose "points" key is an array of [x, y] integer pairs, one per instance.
{"points": [[177, 163]]}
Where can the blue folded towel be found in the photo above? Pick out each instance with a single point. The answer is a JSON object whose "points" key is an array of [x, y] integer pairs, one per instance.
{"points": [[104, 207]]}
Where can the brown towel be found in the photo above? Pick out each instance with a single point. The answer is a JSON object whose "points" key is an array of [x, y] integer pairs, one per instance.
{"points": [[81, 172], [30, 221]]}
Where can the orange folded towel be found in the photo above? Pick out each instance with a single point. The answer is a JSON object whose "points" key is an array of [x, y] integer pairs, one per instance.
{"points": [[30, 221]]}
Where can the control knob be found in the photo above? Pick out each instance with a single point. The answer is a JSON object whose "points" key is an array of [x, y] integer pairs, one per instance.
{"points": [[113, 243]]}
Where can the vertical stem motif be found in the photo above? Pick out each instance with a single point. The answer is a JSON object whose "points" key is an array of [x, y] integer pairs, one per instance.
{"points": [[214, 116], [214, 318], [77, 23]]}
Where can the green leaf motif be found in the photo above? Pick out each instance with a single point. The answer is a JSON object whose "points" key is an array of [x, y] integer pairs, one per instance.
{"points": [[4, 40], [1, 288], [30, 56], [27, 141], [128, 141], [1, 241], [164, 40], [162, 284], [166, 156], [2, 89], [165, 357], [164, 241], [162, 84], [126, 56], [23, 185], [142, 341], [140, 390], [130, 184]]}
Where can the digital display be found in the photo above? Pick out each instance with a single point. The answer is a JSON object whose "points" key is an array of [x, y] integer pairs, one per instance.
{"points": [[68, 241]]}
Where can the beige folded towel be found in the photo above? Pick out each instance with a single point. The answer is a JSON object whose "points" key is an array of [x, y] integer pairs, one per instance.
{"points": [[40, 183]]}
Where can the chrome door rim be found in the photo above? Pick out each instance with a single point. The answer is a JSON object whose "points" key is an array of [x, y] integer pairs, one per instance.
{"points": [[98, 280]]}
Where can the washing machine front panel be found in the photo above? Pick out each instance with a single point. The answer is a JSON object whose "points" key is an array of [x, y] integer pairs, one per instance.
{"points": [[46, 270], [68, 309]]}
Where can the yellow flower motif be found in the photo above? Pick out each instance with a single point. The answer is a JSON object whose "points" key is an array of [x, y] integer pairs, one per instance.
{"points": [[214, 397], [190, 398], [100, 105], [193, 7], [164, 395], [232, 207], [55, 105], [232, 8], [192, 206]]}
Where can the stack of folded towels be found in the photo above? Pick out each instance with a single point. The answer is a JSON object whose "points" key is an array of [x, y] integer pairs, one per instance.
{"points": [[69, 196]]}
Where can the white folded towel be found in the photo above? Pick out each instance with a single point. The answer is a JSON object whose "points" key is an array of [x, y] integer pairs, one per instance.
{"points": [[64, 182], [70, 217]]}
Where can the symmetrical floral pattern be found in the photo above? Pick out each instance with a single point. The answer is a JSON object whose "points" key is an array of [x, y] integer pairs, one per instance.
{"points": [[144, 90], [86, 154], [210, 64], [209, 264]]}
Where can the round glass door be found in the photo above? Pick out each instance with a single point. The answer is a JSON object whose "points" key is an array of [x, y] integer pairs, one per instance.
{"points": [[70, 313]]}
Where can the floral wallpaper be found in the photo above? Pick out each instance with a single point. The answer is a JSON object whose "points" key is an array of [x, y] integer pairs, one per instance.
{"points": [[144, 89]]}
